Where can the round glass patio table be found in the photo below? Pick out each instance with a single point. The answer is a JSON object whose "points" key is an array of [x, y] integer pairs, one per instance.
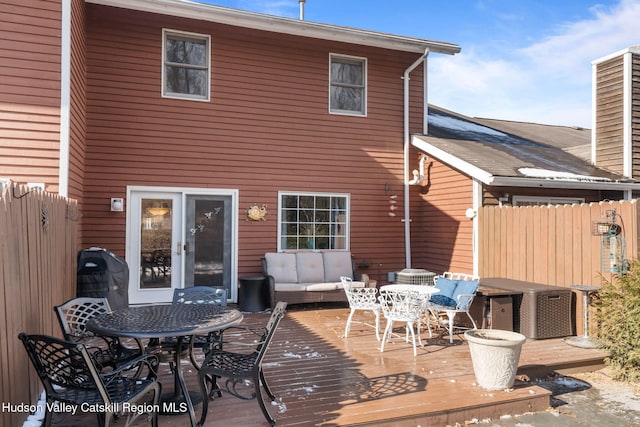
{"points": [[167, 320]]}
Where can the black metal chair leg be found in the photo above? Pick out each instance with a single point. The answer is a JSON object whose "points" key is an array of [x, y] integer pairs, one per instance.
{"points": [[203, 380], [263, 407], [266, 386]]}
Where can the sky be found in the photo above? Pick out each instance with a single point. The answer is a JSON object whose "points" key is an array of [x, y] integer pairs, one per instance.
{"points": [[521, 60]]}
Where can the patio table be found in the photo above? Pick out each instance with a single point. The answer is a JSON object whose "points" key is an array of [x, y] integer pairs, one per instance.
{"points": [[167, 320], [425, 290]]}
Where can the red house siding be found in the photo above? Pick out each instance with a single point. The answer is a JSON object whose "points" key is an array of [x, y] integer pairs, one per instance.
{"points": [[266, 128], [441, 233], [30, 97]]}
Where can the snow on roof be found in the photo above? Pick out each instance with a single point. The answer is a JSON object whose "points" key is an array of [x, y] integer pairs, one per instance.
{"points": [[566, 176], [454, 123]]}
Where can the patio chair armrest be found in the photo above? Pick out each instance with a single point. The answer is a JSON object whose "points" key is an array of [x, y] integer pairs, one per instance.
{"points": [[150, 361], [220, 341], [254, 331], [464, 301]]}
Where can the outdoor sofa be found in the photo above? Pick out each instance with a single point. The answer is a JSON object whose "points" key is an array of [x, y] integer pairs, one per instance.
{"points": [[309, 276]]}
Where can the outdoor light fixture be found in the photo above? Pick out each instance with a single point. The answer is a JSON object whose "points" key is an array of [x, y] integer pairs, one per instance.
{"points": [[117, 204]]}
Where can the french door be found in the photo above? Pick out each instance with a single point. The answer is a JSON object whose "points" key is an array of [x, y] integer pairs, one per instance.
{"points": [[178, 239]]}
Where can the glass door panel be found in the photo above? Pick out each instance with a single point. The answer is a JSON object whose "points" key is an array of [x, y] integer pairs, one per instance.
{"points": [[154, 255], [208, 241], [155, 241]]}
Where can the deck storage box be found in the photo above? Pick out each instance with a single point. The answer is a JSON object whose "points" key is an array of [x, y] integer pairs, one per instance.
{"points": [[541, 311]]}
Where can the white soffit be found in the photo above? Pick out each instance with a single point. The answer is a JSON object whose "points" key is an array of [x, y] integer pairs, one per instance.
{"points": [[297, 27]]}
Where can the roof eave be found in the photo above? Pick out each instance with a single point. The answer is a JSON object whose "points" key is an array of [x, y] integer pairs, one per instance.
{"points": [[258, 21], [506, 181], [453, 161]]}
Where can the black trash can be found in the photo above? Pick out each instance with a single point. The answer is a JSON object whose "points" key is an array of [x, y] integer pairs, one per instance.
{"points": [[253, 294], [102, 274]]}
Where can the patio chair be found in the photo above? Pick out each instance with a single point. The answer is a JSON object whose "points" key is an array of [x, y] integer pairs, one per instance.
{"points": [[73, 316], [401, 306], [238, 367], [192, 295], [70, 376], [361, 299], [456, 293]]}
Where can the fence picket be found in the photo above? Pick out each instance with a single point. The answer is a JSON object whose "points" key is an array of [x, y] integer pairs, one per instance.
{"points": [[551, 244], [38, 270]]}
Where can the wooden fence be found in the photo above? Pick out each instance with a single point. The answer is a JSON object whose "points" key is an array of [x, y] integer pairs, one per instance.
{"points": [[558, 245], [38, 248]]}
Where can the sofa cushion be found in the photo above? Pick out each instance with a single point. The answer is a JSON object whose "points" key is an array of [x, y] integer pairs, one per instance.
{"points": [[354, 284], [289, 287], [282, 267], [336, 265], [321, 287], [310, 267]]}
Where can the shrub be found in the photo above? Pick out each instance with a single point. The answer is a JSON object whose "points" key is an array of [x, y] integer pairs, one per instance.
{"points": [[618, 318]]}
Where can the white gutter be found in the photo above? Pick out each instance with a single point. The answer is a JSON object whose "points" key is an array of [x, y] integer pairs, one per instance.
{"points": [[65, 99], [507, 181], [297, 27], [407, 143]]}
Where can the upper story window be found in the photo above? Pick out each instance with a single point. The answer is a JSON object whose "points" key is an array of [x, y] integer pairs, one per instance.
{"points": [[313, 221], [347, 85], [186, 66]]}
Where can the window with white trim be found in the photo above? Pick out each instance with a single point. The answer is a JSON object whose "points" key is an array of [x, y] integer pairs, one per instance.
{"points": [[543, 201], [186, 67], [347, 85], [313, 221]]}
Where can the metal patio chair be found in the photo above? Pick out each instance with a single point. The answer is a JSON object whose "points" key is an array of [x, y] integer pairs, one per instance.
{"points": [[238, 367], [402, 306], [361, 299], [70, 376], [73, 316], [193, 295], [457, 291]]}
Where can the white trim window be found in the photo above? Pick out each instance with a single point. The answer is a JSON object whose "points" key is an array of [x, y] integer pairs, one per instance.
{"points": [[313, 221], [186, 65], [544, 201], [347, 85]]}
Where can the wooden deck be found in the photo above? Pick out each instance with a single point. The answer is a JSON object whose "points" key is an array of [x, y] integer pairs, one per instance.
{"points": [[323, 379]]}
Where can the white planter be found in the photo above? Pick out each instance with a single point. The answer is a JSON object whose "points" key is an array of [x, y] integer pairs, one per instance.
{"points": [[495, 354]]}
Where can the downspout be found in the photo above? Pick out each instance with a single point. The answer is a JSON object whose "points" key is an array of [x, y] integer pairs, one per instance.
{"points": [[407, 141]]}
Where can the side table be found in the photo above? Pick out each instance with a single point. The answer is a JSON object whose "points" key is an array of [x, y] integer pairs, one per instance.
{"points": [[584, 341], [253, 294]]}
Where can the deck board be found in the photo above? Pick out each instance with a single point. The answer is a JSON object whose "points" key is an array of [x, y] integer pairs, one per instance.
{"points": [[323, 379]]}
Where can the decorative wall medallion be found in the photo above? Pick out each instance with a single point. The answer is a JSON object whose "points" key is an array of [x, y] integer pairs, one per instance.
{"points": [[257, 213]]}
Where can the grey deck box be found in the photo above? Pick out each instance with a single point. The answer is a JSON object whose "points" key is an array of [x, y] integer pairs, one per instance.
{"points": [[541, 311]]}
